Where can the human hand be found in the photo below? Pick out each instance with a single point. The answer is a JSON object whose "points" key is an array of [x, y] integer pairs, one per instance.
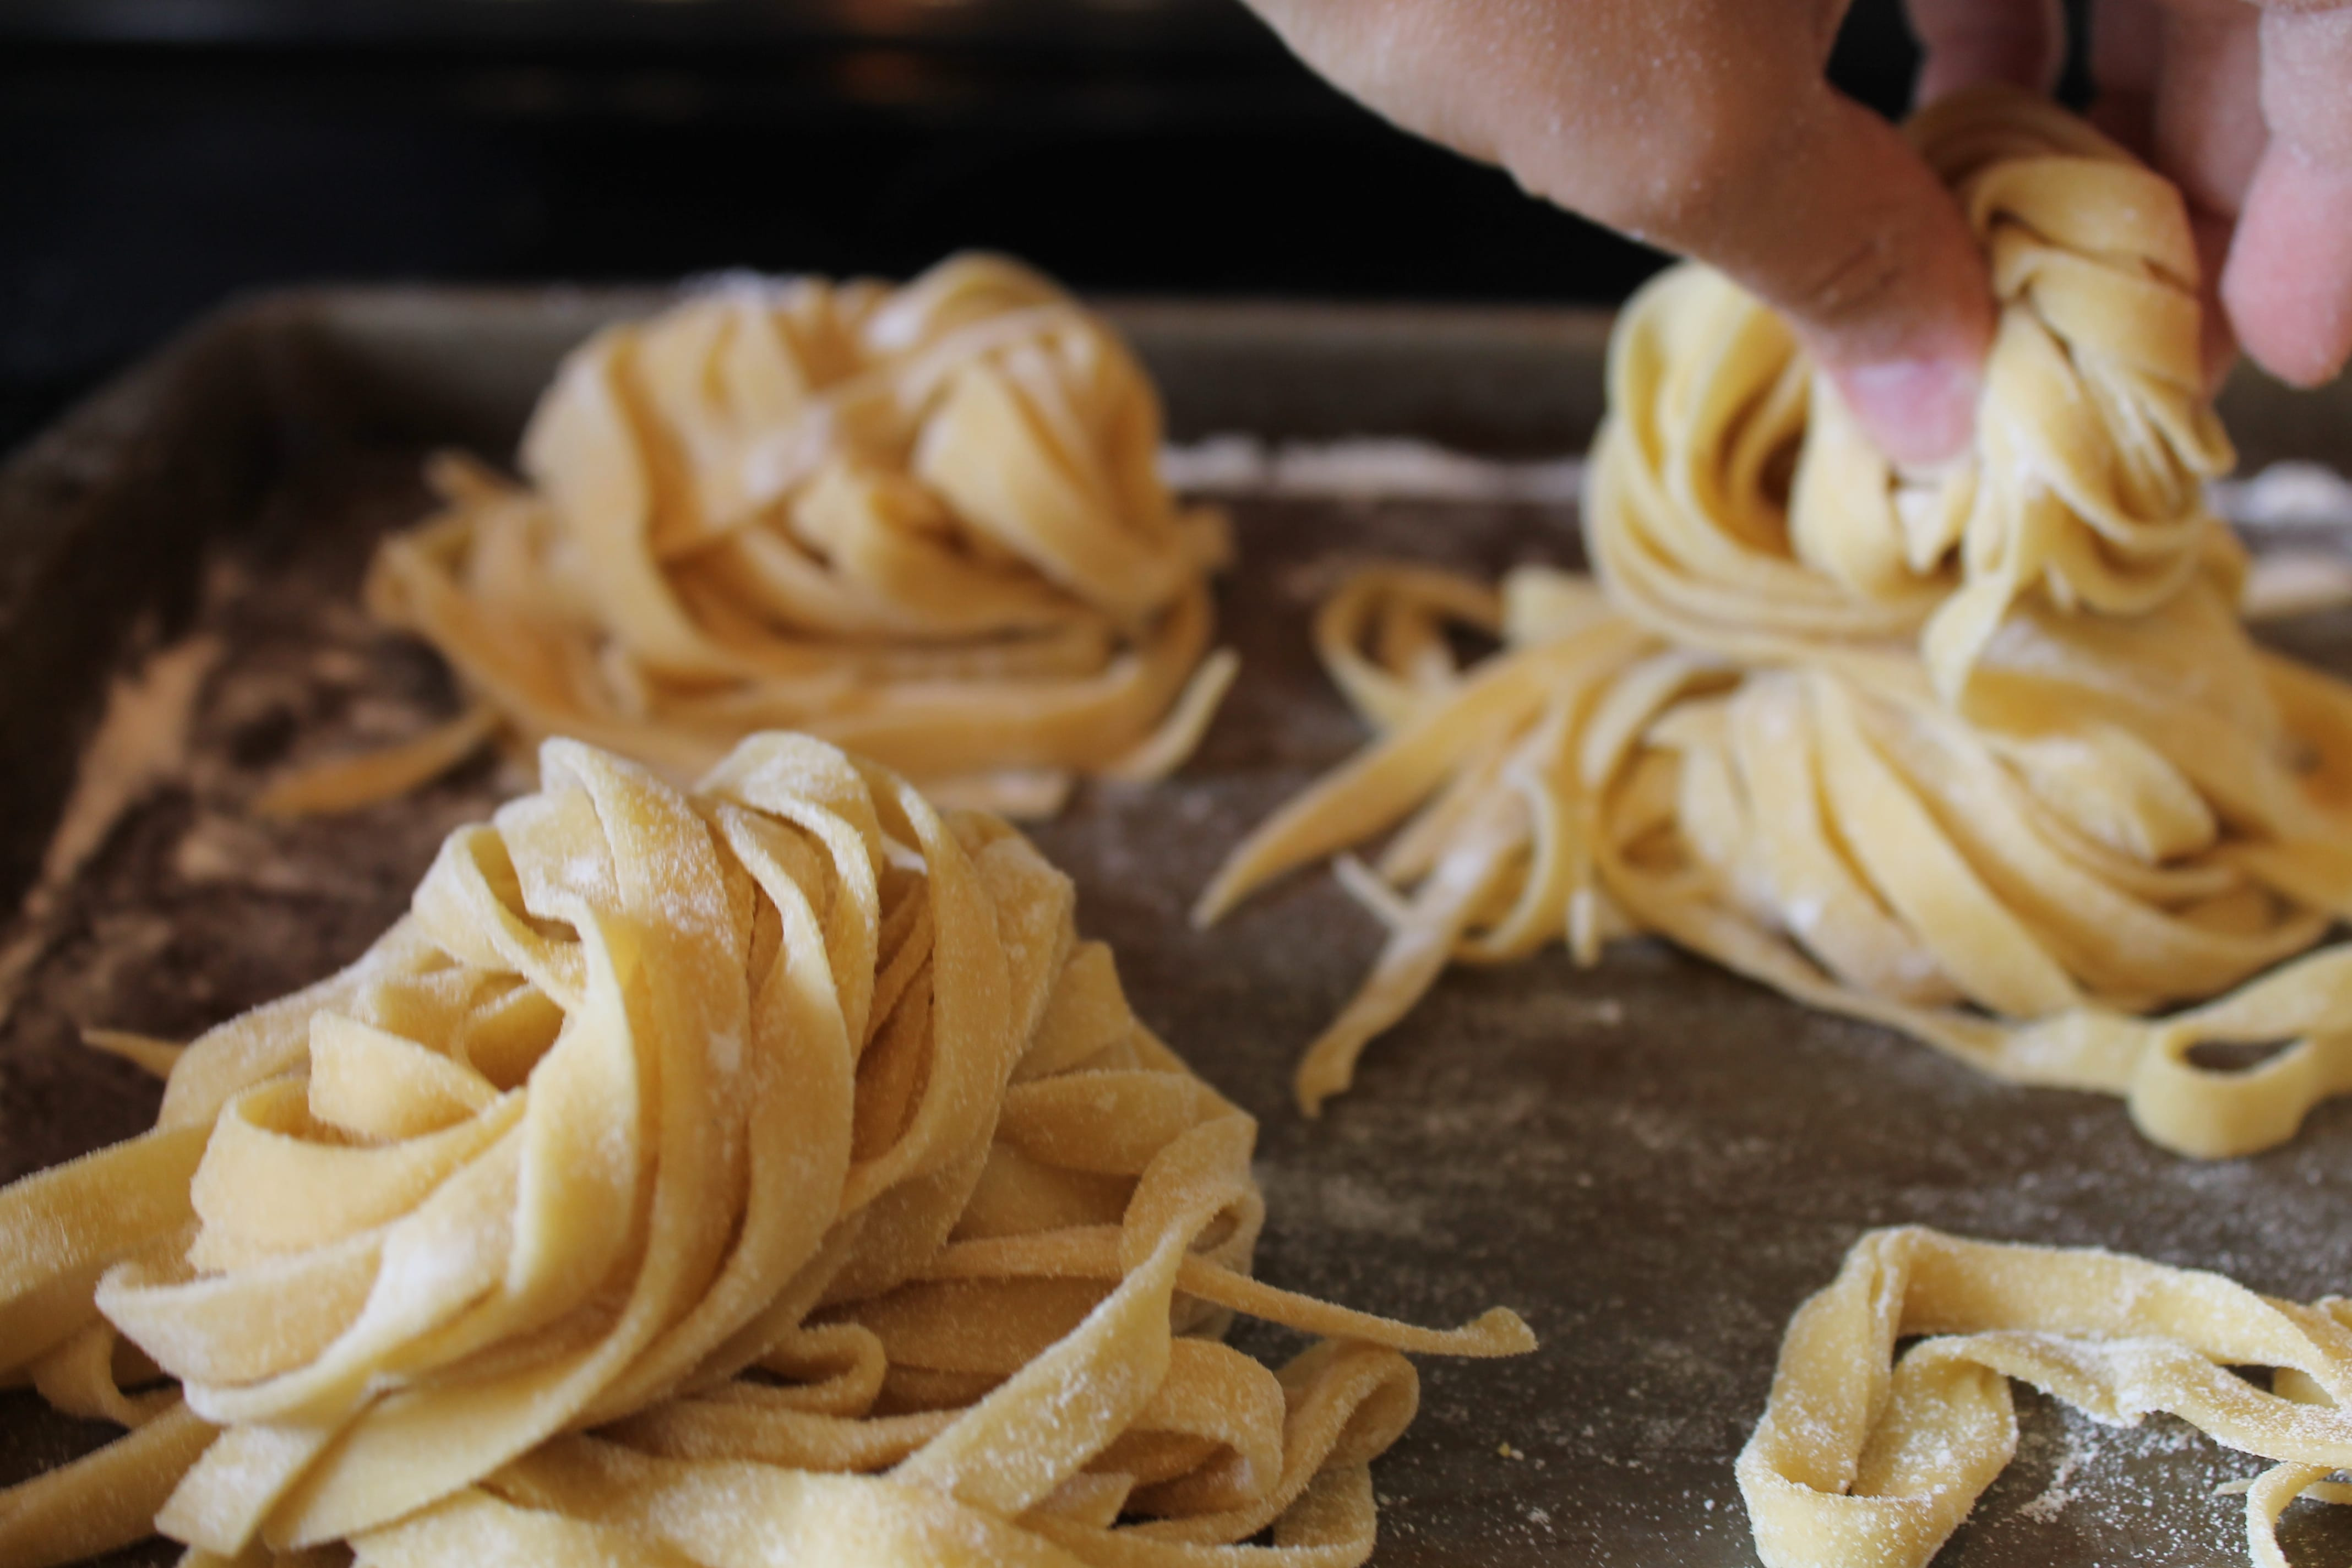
{"points": [[1709, 127], [2247, 107]]}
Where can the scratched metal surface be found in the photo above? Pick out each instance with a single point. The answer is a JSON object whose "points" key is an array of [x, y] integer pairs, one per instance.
{"points": [[1652, 1160]]}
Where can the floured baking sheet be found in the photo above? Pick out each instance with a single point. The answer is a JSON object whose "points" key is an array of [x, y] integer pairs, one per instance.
{"points": [[1652, 1160]]}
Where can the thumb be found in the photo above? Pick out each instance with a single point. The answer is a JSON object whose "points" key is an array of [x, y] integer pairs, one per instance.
{"points": [[1847, 231]]}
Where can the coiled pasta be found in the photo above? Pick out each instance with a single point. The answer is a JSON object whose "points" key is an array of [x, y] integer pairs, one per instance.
{"points": [[925, 523], [703, 1177]]}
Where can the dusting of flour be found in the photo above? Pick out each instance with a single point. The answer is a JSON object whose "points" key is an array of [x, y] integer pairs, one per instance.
{"points": [[142, 744]]}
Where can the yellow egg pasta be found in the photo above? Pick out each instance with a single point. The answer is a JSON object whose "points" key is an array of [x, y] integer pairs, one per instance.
{"points": [[1866, 1458], [761, 1174], [925, 523], [2021, 844]]}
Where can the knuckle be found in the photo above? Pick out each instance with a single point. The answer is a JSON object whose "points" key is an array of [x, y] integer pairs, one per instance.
{"points": [[1853, 280]]}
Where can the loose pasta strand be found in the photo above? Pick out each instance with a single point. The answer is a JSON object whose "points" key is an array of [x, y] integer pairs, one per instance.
{"points": [[1863, 1455]]}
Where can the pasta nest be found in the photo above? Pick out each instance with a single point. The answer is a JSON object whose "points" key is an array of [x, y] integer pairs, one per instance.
{"points": [[925, 523], [761, 1172], [2098, 809], [1736, 505]]}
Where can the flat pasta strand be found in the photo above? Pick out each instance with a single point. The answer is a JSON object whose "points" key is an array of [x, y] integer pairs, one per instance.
{"points": [[1865, 1457], [761, 1172], [1758, 736], [925, 523]]}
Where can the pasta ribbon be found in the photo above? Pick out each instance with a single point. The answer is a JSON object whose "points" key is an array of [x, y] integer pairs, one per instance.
{"points": [[1865, 1457], [2022, 853], [761, 1172], [925, 523]]}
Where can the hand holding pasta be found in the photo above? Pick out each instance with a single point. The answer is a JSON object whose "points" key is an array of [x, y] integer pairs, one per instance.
{"points": [[1736, 507], [925, 523], [1983, 755], [765, 1173], [1709, 127]]}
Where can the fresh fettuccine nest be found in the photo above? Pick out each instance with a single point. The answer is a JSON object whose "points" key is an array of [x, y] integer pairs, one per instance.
{"points": [[925, 523], [2080, 800], [1864, 1457], [757, 1174]]}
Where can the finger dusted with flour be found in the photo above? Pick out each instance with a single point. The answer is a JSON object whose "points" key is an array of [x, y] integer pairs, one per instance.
{"points": [[1708, 127]]}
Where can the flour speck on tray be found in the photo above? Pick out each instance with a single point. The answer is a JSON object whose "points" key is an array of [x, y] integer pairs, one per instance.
{"points": [[142, 742]]}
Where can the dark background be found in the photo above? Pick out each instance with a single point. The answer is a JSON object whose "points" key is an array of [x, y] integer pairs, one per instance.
{"points": [[159, 155]]}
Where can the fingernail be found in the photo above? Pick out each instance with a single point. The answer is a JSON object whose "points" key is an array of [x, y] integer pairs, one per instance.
{"points": [[1918, 411]]}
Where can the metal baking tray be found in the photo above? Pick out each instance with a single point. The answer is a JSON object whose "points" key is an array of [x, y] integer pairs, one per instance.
{"points": [[1654, 1160]]}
